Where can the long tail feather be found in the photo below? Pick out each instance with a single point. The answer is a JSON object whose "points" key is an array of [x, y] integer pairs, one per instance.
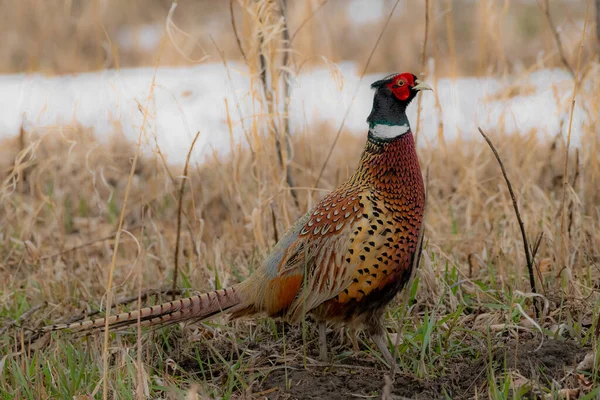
{"points": [[196, 307]]}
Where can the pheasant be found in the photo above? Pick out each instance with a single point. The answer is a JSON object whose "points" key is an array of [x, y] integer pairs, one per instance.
{"points": [[344, 260]]}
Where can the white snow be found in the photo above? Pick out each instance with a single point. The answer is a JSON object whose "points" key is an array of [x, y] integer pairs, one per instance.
{"points": [[189, 99]]}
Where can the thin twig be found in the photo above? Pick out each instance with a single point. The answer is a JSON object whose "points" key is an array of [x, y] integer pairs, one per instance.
{"points": [[22, 147], [518, 214], [572, 203], [235, 32], [451, 38], [287, 43], [566, 166], [179, 209], [559, 45], [534, 252], [140, 283], [422, 71], [597, 329], [174, 181], [598, 24], [307, 19], [536, 247], [364, 71]]}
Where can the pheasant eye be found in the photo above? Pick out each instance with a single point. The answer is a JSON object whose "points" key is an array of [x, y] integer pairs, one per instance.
{"points": [[400, 83]]}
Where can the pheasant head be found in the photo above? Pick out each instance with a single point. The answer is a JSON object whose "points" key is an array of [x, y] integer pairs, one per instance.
{"points": [[394, 93]]}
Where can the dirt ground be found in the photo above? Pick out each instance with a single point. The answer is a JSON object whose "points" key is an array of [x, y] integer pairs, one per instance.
{"points": [[301, 376], [551, 361]]}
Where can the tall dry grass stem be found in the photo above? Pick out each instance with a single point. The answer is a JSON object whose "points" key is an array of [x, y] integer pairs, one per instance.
{"points": [[521, 225], [306, 20], [235, 32], [120, 227], [451, 39], [422, 70], [565, 233], [140, 283], [598, 25], [184, 179], [269, 73], [559, 45]]}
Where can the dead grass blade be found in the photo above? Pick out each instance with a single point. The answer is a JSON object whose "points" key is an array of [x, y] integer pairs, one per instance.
{"points": [[561, 51], [564, 233], [307, 19], [422, 71], [140, 283], [235, 32], [518, 214], [179, 212], [171, 28]]}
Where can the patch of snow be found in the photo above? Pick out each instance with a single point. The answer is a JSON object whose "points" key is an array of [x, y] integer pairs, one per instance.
{"points": [[191, 99]]}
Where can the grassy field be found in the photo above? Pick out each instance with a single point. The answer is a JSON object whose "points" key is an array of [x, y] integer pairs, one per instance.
{"points": [[466, 325]]}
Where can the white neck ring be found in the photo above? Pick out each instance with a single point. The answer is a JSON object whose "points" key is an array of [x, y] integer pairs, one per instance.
{"points": [[388, 131]]}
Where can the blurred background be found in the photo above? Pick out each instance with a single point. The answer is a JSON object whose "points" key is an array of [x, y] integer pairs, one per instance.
{"points": [[467, 37], [304, 60]]}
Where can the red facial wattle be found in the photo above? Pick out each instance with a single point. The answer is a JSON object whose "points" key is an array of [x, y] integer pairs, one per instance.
{"points": [[401, 85]]}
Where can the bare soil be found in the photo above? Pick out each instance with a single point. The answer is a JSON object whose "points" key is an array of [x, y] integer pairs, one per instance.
{"points": [[360, 375], [551, 361]]}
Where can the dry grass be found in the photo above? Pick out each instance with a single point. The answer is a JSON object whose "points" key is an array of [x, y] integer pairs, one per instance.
{"points": [[463, 327], [66, 36], [71, 189]]}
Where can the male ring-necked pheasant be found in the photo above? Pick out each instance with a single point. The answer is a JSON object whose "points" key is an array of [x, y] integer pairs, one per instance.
{"points": [[346, 259]]}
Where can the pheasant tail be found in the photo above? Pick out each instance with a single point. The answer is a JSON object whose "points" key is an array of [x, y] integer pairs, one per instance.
{"points": [[197, 307]]}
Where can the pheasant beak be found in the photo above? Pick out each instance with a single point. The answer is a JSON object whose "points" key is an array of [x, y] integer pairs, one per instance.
{"points": [[421, 86]]}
